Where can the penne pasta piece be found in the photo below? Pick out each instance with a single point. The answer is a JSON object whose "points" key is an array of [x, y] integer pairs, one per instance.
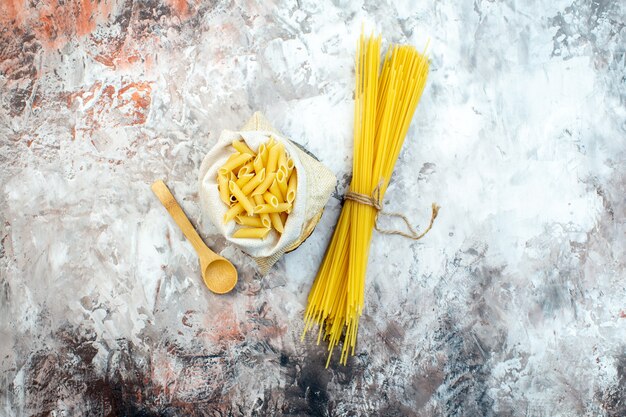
{"points": [[244, 179], [233, 211], [265, 218], [263, 152], [257, 163], [242, 147], [284, 170], [265, 185], [282, 159], [236, 162], [281, 180], [251, 233], [290, 167], [254, 182], [271, 142], [241, 197], [268, 208], [233, 177], [270, 199], [276, 222], [291, 187], [247, 168], [232, 156], [274, 189], [272, 159], [253, 221], [222, 185]]}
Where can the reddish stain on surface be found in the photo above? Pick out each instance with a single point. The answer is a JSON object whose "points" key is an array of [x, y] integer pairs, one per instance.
{"points": [[180, 7], [55, 22], [83, 97], [101, 106], [134, 100], [622, 314], [272, 332], [11, 10], [164, 372], [121, 53], [222, 327]]}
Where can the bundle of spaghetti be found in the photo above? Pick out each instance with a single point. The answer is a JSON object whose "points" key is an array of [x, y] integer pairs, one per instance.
{"points": [[385, 101]]}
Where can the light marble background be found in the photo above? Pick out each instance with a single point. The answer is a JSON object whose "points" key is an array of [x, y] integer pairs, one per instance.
{"points": [[514, 305]]}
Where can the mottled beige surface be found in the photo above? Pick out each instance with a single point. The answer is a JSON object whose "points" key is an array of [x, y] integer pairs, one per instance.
{"points": [[513, 305]]}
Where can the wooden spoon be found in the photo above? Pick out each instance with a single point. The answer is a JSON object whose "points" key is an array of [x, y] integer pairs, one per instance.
{"points": [[219, 275]]}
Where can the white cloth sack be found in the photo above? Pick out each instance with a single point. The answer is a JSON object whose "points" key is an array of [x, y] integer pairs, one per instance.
{"points": [[315, 183]]}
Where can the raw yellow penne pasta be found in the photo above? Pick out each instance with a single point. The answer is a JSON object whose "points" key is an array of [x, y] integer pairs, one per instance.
{"points": [[263, 187], [244, 179], [281, 180], [241, 197], [233, 156], [251, 232], [222, 185], [265, 218], [254, 182], [282, 159], [257, 163], [232, 177], [263, 152], [276, 222], [259, 187], [291, 187], [233, 211], [253, 221], [242, 147], [270, 199], [268, 208], [246, 169], [274, 189], [236, 162], [290, 168], [272, 159]]}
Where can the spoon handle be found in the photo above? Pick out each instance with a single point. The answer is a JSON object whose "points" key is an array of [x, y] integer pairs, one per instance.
{"points": [[167, 199]]}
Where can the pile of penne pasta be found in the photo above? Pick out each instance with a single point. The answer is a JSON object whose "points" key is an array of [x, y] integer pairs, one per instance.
{"points": [[258, 187]]}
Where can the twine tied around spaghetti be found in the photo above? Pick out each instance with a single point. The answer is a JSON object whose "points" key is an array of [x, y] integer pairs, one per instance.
{"points": [[374, 201]]}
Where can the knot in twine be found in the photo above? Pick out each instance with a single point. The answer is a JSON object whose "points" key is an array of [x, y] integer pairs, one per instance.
{"points": [[374, 201]]}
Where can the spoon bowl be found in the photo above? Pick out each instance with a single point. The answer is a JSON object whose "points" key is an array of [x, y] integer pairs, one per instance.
{"points": [[219, 275]]}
